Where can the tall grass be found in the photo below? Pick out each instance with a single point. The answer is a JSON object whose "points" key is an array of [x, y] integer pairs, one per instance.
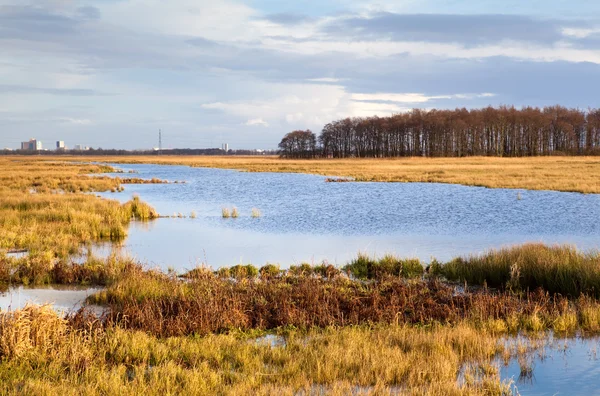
{"points": [[55, 222], [366, 267], [556, 269], [54, 357]]}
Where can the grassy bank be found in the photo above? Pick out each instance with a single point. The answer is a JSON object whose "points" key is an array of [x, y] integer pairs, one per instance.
{"points": [[557, 269], [43, 211], [212, 302], [575, 174]]}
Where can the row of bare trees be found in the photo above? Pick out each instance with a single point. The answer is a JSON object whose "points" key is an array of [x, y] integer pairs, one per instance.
{"points": [[502, 131]]}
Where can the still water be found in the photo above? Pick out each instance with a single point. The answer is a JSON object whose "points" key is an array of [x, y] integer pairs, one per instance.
{"points": [[62, 298], [305, 219], [568, 366]]}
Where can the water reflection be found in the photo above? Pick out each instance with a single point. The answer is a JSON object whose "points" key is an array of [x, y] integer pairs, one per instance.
{"points": [[62, 298], [563, 367], [303, 218]]}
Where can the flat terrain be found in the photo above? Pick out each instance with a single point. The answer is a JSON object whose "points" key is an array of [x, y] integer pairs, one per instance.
{"points": [[572, 174], [373, 327]]}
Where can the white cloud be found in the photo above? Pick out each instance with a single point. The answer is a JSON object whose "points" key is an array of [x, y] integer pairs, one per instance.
{"points": [[579, 33], [257, 122], [413, 98], [325, 80], [559, 51], [314, 105], [75, 121]]}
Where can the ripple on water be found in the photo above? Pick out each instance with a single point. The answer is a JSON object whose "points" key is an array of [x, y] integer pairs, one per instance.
{"points": [[305, 219]]}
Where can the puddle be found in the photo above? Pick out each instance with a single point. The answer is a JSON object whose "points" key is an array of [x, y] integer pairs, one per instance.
{"points": [[17, 254], [271, 340], [568, 366], [62, 298]]}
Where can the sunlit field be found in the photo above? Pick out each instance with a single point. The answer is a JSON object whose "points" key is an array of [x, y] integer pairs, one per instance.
{"points": [[573, 174], [376, 325]]}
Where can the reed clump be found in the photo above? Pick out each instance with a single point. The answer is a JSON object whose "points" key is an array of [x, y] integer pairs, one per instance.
{"points": [[225, 213], [208, 302], [366, 267], [31, 330], [256, 213], [557, 269]]}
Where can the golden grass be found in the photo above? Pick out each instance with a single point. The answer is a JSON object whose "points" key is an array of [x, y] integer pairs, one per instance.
{"points": [[560, 173], [43, 210], [54, 358]]}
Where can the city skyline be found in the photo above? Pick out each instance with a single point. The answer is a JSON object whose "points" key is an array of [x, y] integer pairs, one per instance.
{"points": [[111, 73]]}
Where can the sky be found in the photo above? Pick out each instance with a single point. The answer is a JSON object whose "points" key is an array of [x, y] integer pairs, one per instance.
{"points": [[111, 73]]}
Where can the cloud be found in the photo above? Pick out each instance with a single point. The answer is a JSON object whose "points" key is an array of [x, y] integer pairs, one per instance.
{"points": [[226, 67], [580, 33], [324, 80], [413, 98], [89, 12], [22, 89], [444, 28], [75, 121], [288, 18], [257, 122]]}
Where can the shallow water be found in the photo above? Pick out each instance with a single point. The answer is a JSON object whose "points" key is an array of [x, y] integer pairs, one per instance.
{"points": [[61, 298], [564, 367], [305, 219]]}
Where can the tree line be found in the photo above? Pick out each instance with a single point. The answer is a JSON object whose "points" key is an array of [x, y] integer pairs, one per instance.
{"points": [[490, 131]]}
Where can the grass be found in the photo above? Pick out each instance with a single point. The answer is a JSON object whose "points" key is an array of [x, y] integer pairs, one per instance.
{"points": [[247, 298], [43, 211], [574, 174], [556, 269], [378, 325], [255, 213], [365, 267], [47, 355]]}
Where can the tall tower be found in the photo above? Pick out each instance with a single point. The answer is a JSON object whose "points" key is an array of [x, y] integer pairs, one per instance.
{"points": [[159, 141]]}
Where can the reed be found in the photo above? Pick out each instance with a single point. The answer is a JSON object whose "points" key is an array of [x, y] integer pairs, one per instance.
{"points": [[366, 267], [225, 213], [255, 213], [556, 269], [234, 213]]}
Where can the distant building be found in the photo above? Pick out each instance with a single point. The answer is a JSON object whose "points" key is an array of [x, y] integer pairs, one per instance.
{"points": [[79, 147], [225, 147], [31, 145], [60, 145]]}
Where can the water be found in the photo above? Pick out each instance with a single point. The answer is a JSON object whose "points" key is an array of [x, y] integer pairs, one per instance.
{"points": [[563, 367], [305, 219], [61, 298]]}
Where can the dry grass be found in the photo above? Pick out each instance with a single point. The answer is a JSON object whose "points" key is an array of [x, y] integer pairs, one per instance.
{"points": [[576, 174], [43, 211], [59, 359]]}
